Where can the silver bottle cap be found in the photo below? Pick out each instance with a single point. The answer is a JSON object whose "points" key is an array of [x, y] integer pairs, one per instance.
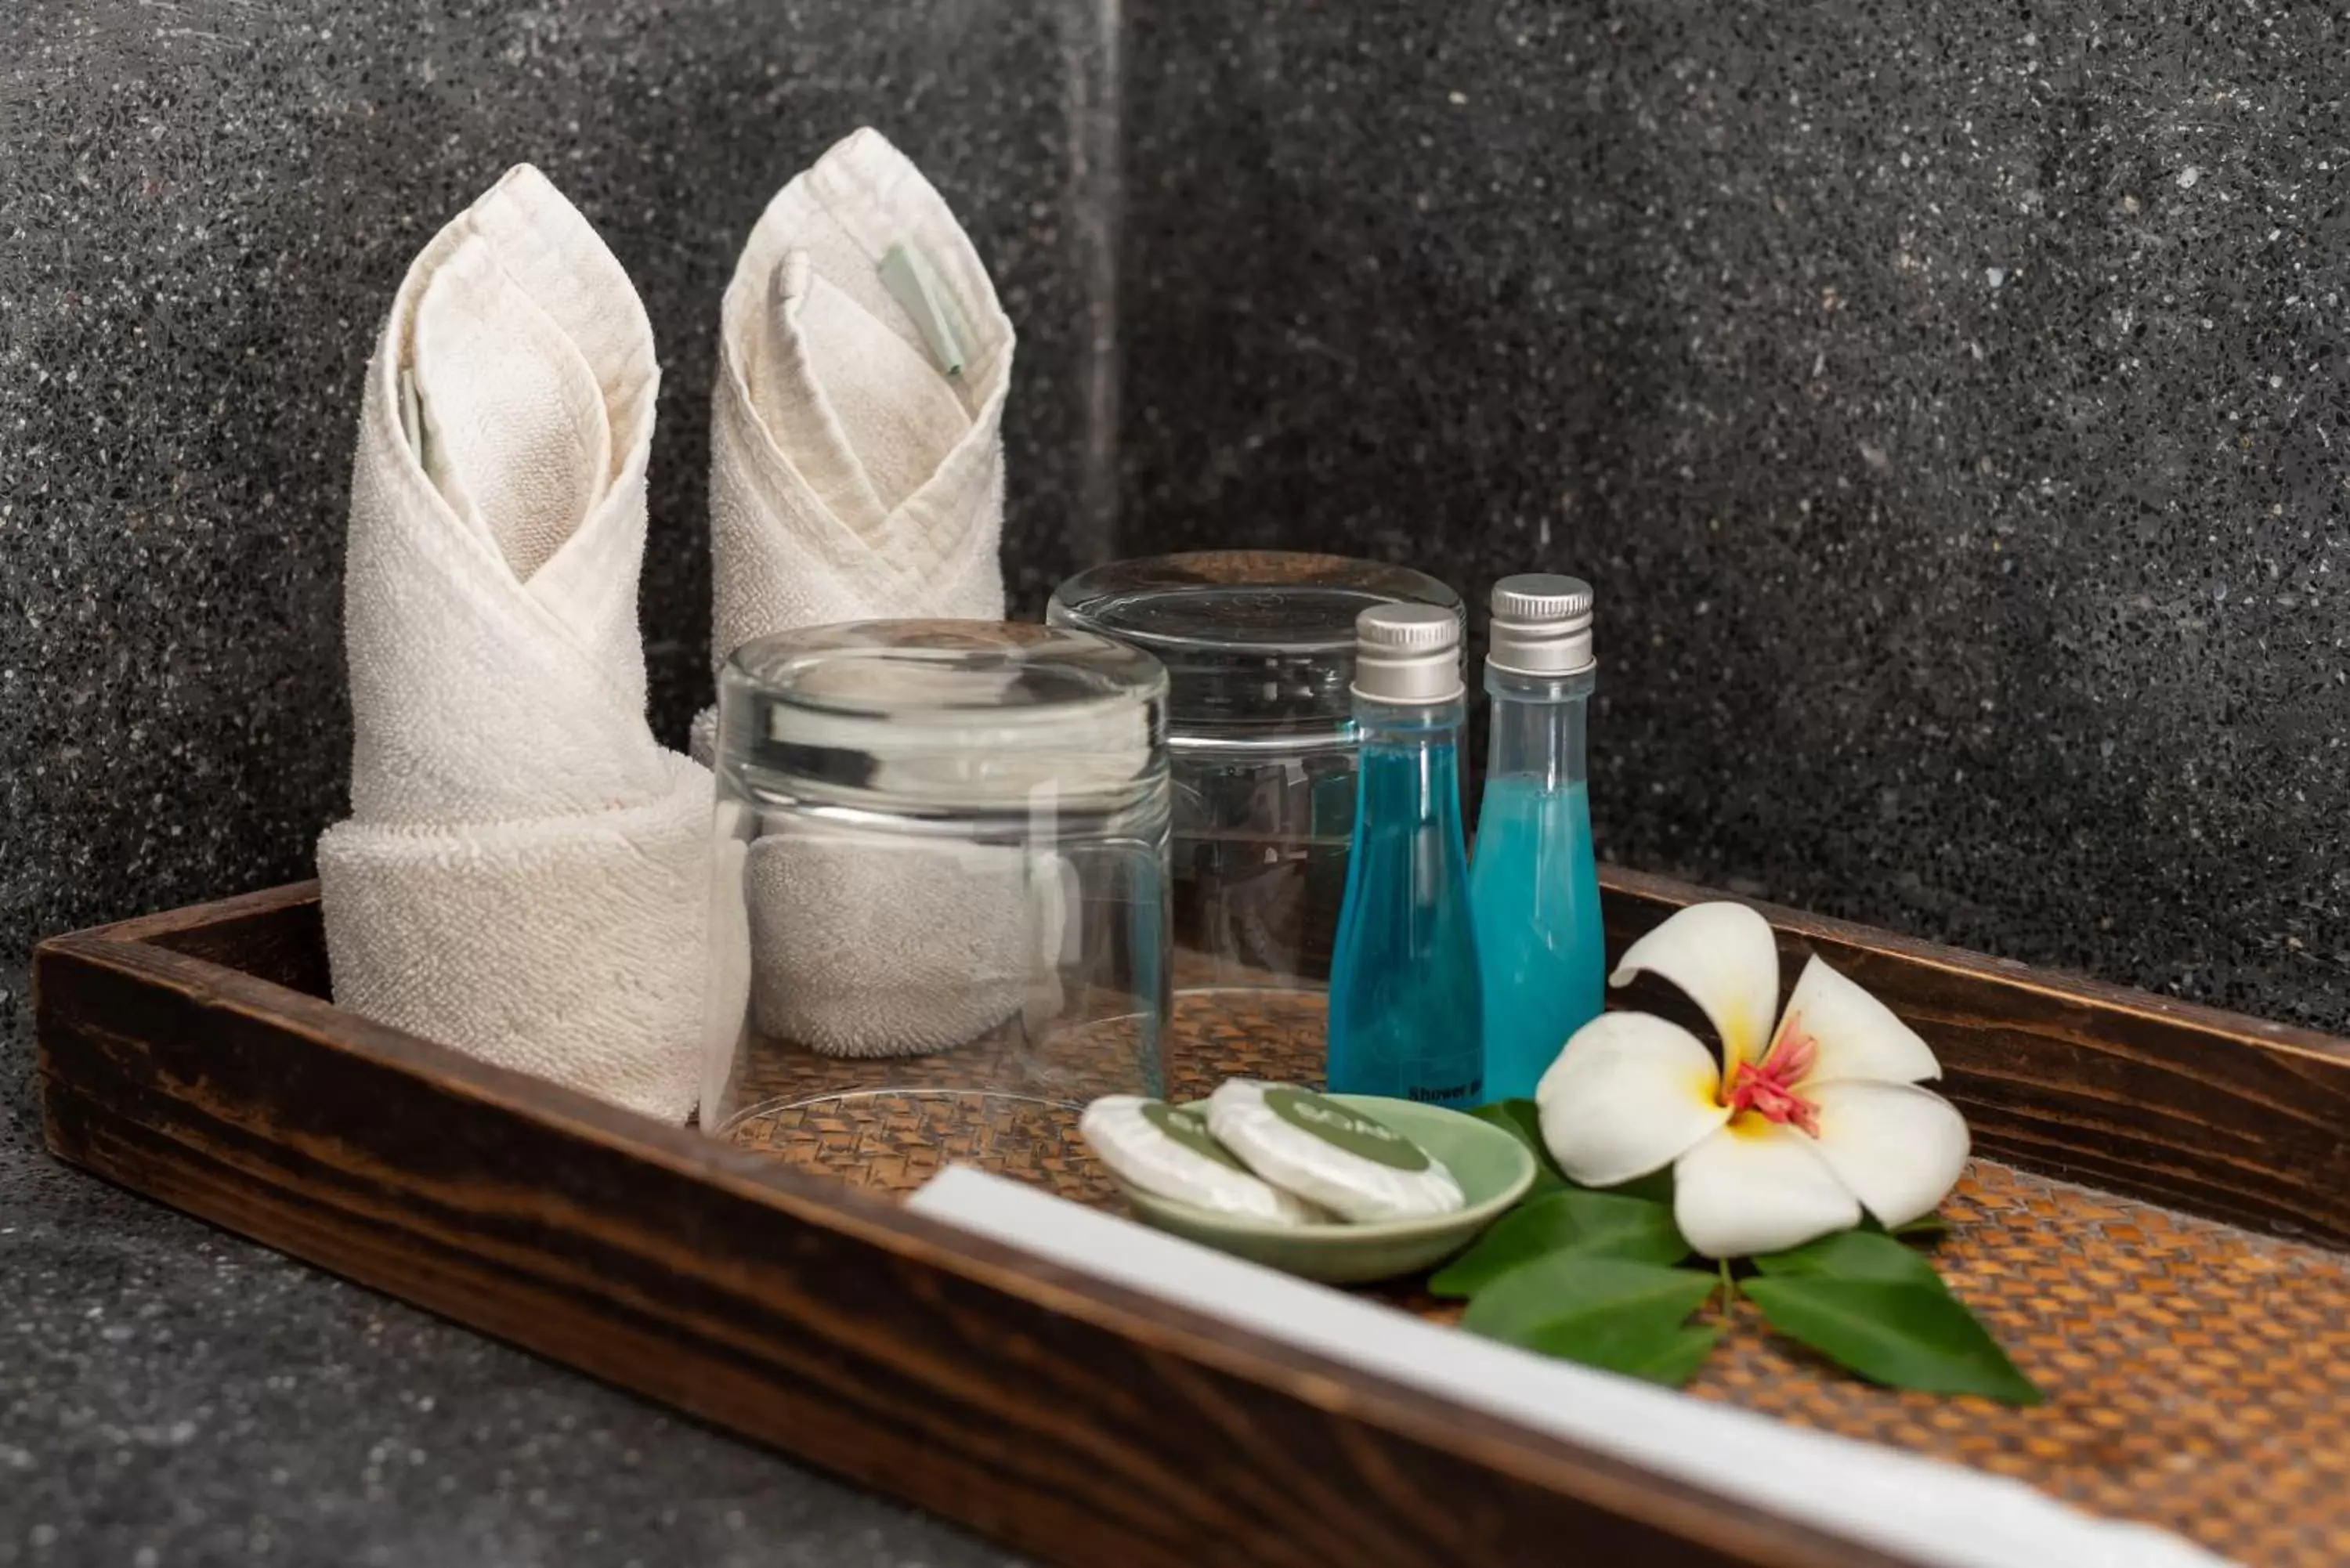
{"points": [[1407, 653], [1542, 625]]}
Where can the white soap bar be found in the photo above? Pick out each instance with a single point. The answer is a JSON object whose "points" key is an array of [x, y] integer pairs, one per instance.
{"points": [[1168, 1152], [1354, 1165]]}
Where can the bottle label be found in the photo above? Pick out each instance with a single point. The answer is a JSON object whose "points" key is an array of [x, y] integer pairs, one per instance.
{"points": [[1189, 1129], [1352, 1131]]}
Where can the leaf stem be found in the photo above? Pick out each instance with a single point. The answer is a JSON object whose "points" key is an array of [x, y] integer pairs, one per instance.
{"points": [[1729, 1288]]}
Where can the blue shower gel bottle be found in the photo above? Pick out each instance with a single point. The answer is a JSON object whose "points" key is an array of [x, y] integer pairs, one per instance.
{"points": [[1536, 887], [1406, 1008]]}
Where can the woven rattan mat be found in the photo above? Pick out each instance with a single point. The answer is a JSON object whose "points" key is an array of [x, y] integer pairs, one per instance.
{"points": [[2198, 1375]]}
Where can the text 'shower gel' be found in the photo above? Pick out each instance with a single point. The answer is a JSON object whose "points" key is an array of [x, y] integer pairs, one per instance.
{"points": [[524, 875], [942, 853]]}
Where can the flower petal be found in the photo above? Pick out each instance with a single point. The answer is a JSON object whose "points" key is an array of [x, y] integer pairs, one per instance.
{"points": [[1724, 957], [1899, 1148], [1629, 1094], [1853, 1035], [1757, 1186]]}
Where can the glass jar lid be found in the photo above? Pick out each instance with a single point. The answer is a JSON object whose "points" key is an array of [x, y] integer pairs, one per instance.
{"points": [[952, 715], [1255, 642]]}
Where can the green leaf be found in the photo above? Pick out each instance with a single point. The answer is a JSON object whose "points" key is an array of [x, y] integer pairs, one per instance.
{"points": [[1657, 1187], [1612, 1312], [1522, 1119], [1660, 1351], [1571, 1220], [1674, 1359], [1854, 1255], [1926, 1229], [1584, 1307], [1903, 1334]]}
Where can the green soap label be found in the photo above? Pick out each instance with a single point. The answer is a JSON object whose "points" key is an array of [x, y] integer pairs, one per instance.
{"points": [[1335, 1125], [1189, 1129]]}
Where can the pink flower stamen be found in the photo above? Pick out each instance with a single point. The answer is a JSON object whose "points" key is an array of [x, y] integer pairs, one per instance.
{"points": [[1768, 1087]]}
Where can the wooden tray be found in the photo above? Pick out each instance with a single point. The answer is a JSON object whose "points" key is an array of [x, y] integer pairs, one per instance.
{"points": [[2198, 1363]]}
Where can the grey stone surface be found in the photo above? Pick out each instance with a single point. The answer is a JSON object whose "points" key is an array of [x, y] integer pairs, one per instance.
{"points": [[1949, 402], [174, 1398], [204, 208]]}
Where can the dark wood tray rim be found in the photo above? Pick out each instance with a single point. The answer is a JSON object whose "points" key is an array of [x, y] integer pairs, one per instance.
{"points": [[188, 1055]]}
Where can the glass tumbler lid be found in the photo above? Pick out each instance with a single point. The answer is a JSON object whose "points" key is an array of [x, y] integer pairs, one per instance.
{"points": [[954, 715], [1248, 637]]}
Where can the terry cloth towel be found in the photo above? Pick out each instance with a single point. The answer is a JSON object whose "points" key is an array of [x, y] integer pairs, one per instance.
{"points": [[525, 872], [856, 474], [856, 464]]}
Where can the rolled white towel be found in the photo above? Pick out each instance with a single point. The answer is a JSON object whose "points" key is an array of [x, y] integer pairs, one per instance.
{"points": [[871, 945], [857, 473], [525, 872], [853, 474]]}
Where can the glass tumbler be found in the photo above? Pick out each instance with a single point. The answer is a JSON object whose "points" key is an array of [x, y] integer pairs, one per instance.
{"points": [[1259, 648], [940, 914]]}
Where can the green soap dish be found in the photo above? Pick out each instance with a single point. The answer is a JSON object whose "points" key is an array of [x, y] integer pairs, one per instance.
{"points": [[1494, 1169]]}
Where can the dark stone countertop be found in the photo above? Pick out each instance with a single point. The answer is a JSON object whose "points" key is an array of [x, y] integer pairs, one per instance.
{"points": [[172, 1394]]}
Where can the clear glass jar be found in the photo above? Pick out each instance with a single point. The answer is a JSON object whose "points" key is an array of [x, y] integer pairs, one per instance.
{"points": [[1259, 648], [940, 916]]}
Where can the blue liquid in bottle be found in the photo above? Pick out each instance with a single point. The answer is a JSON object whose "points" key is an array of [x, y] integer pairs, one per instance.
{"points": [[1536, 887], [1406, 1008]]}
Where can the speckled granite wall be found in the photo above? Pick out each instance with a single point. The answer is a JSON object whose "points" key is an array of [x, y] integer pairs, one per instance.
{"points": [[204, 208], [1950, 401]]}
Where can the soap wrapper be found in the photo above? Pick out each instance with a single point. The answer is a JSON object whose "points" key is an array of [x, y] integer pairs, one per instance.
{"points": [[1330, 1154], [1168, 1152]]}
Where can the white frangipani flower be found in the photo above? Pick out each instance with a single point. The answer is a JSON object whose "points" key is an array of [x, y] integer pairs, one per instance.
{"points": [[1795, 1132]]}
